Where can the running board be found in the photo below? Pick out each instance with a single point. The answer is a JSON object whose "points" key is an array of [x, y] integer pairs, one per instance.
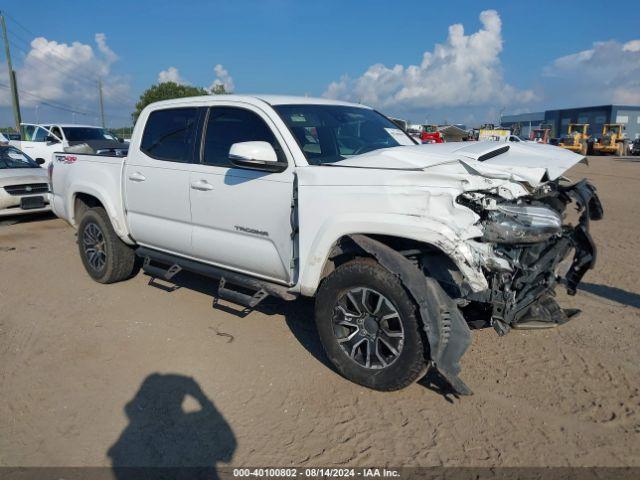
{"points": [[158, 272], [243, 299], [170, 265]]}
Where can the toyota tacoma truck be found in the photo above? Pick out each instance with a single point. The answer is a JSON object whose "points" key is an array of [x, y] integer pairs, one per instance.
{"points": [[403, 246]]}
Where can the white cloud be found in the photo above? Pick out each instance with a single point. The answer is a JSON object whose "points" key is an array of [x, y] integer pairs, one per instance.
{"points": [[171, 74], [68, 74], [463, 71], [632, 46], [101, 41], [609, 72], [222, 78]]}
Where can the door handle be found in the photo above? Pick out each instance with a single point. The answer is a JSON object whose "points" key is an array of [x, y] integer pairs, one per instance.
{"points": [[137, 177], [201, 185]]}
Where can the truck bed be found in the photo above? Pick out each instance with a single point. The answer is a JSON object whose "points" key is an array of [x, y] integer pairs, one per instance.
{"points": [[97, 175]]}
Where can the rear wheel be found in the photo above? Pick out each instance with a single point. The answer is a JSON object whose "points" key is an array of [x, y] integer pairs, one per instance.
{"points": [[106, 258], [368, 326]]}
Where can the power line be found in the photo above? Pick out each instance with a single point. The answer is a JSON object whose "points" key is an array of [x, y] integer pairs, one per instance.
{"points": [[49, 104], [19, 24], [75, 76], [61, 106], [124, 99]]}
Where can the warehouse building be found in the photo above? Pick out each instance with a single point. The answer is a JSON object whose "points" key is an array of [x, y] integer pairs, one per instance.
{"points": [[523, 123], [596, 117]]}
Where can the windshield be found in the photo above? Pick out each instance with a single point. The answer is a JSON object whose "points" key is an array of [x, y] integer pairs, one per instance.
{"points": [[11, 157], [79, 134], [329, 133]]}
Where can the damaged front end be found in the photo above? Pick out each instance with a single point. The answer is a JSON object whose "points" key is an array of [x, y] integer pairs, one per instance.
{"points": [[527, 241]]}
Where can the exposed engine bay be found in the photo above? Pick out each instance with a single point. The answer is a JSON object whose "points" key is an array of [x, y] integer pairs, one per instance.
{"points": [[530, 238]]}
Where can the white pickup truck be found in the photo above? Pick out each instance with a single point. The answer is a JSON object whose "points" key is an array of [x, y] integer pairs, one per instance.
{"points": [[41, 141], [402, 245]]}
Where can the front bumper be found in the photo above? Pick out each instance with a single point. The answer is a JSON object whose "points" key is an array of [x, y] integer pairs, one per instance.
{"points": [[10, 204]]}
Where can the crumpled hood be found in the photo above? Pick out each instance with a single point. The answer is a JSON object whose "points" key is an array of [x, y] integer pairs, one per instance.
{"points": [[18, 176], [524, 162]]}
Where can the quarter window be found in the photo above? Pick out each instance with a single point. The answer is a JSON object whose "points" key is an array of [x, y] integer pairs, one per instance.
{"points": [[169, 134], [228, 125]]}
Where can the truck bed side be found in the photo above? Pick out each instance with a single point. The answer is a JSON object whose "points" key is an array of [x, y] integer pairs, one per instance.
{"points": [[93, 178]]}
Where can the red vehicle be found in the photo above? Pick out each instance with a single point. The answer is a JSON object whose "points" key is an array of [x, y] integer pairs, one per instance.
{"points": [[430, 134]]}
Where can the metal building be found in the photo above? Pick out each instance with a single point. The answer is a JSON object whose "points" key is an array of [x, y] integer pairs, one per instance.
{"points": [[596, 117], [523, 123]]}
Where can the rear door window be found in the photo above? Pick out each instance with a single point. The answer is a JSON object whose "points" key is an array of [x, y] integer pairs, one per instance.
{"points": [[170, 134]]}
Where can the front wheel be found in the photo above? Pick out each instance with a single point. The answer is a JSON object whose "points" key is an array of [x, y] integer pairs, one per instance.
{"points": [[106, 258], [368, 326]]}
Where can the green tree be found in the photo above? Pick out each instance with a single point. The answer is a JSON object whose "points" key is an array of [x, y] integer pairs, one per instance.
{"points": [[165, 91], [218, 89]]}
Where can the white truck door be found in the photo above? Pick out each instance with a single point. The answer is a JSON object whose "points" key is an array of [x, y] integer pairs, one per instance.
{"points": [[156, 181], [241, 218]]}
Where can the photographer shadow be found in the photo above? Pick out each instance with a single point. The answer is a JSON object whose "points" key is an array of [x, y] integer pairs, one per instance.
{"points": [[167, 437]]}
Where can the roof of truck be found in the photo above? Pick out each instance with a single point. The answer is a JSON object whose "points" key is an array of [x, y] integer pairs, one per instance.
{"points": [[270, 99]]}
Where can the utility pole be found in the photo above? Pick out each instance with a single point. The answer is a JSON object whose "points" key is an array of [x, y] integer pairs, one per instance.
{"points": [[101, 102], [12, 76]]}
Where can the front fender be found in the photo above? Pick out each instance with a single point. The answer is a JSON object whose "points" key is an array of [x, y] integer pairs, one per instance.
{"points": [[315, 254]]}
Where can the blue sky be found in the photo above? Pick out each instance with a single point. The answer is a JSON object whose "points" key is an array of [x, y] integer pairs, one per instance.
{"points": [[301, 47]]}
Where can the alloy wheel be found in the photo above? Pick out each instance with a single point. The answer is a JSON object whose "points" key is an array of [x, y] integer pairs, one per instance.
{"points": [[93, 244], [368, 328]]}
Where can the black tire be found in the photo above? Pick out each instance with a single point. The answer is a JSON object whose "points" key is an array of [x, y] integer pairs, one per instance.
{"points": [[117, 260], [366, 274]]}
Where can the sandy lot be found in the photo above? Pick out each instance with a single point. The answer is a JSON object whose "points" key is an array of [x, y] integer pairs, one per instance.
{"points": [[131, 373]]}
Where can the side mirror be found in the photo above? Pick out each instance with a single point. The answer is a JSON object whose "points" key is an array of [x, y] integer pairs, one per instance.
{"points": [[52, 139], [39, 161], [255, 156]]}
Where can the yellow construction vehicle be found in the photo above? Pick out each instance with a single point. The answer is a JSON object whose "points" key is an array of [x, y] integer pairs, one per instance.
{"points": [[611, 141], [576, 138]]}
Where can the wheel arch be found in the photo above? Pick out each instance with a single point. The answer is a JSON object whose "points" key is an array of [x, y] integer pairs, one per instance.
{"points": [[83, 202], [86, 197], [433, 258]]}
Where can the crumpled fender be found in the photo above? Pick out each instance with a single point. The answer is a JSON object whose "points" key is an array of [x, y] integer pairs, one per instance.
{"points": [[446, 329], [584, 193]]}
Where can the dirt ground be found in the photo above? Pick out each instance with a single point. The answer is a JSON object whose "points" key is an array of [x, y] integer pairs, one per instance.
{"points": [[133, 373]]}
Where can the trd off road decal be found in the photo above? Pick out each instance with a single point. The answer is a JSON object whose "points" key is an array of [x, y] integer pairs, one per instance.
{"points": [[66, 158]]}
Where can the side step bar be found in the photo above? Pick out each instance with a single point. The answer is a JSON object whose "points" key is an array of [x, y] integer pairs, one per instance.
{"points": [[170, 265], [240, 298]]}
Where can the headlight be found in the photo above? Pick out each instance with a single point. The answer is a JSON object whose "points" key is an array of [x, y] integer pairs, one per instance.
{"points": [[521, 224]]}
